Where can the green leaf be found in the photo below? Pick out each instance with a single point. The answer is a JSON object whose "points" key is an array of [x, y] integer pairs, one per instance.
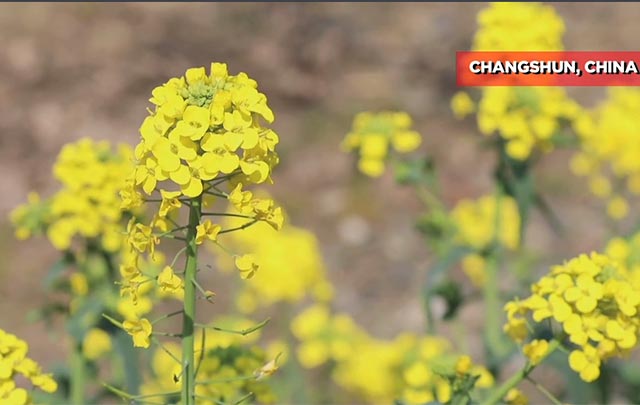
{"points": [[517, 181], [415, 171], [87, 315], [630, 372], [47, 312], [436, 277], [56, 271], [450, 291], [129, 356]]}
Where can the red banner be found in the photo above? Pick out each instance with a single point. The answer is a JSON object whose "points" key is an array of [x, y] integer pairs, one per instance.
{"points": [[564, 68]]}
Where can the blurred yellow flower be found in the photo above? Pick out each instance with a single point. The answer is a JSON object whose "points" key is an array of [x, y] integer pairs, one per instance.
{"points": [[475, 221], [14, 362], [536, 350], [373, 133], [516, 397], [462, 105], [96, 343]]}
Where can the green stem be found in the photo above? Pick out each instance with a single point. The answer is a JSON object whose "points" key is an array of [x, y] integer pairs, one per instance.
{"points": [[188, 320], [77, 375], [493, 330], [499, 393], [494, 337], [428, 312]]}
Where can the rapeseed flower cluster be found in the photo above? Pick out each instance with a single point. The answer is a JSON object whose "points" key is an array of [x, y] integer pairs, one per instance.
{"points": [[477, 226], [372, 135], [324, 336], [519, 26], [415, 369], [91, 174], [525, 118], [204, 127], [14, 362], [596, 303], [230, 367], [623, 251], [85, 220], [609, 149], [206, 130]]}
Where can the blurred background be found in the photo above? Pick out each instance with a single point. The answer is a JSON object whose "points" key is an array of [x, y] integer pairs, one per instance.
{"points": [[75, 70]]}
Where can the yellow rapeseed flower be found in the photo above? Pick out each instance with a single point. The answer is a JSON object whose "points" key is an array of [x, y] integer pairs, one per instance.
{"points": [[168, 281], [536, 350], [14, 362], [373, 133], [205, 126], [96, 343], [91, 174], [609, 149], [246, 265], [462, 105], [526, 119], [291, 266], [207, 230], [516, 397], [594, 298], [475, 222], [140, 330]]}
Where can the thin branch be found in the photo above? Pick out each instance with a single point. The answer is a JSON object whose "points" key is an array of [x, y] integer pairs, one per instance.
{"points": [[226, 380], [117, 391], [223, 179], [215, 187], [215, 194], [212, 399], [242, 332], [225, 214], [169, 232], [175, 258], [175, 237], [156, 341], [201, 357], [168, 218], [160, 200], [544, 391], [167, 334], [113, 321], [137, 398], [237, 228], [241, 400], [169, 315], [223, 248], [207, 296]]}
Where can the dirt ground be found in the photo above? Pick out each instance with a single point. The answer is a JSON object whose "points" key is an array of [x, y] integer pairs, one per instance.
{"points": [[74, 70]]}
